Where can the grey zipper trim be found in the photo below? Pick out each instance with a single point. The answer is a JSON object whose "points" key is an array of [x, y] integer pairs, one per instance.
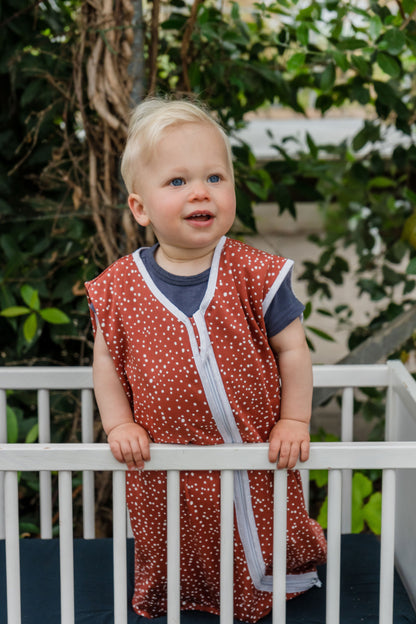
{"points": [[222, 413]]}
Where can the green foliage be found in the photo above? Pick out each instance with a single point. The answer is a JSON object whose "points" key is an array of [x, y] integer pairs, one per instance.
{"points": [[43, 238], [325, 56], [32, 327], [366, 495], [365, 508]]}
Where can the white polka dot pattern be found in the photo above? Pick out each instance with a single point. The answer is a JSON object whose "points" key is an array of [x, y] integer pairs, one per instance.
{"points": [[151, 349]]}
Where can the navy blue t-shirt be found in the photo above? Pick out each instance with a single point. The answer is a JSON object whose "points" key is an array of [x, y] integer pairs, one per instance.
{"points": [[187, 292]]}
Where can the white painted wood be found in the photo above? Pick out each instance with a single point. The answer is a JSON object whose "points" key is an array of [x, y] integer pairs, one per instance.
{"points": [[333, 576], [48, 377], [401, 425], [3, 440], [279, 546], [12, 548], [404, 385], [3, 415], [227, 548], [87, 436], [360, 376], [397, 454], [66, 547], [347, 435], [45, 479], [119, 547], [61, 378], [323, 456], [387, 547], [173, 547], [304, 475]]}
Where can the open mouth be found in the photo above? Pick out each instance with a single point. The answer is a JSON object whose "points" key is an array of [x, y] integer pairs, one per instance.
{"points": [[202, 216]]}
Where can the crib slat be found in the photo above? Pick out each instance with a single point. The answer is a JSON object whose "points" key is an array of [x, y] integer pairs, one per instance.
{"points": [[347, 435], [173, 546], [119, 547], [45, 481], [3, 439], [279, 546], [227, 548], [12, 548], [87, 433], [333, 575], [387, 547], [66, 550]]}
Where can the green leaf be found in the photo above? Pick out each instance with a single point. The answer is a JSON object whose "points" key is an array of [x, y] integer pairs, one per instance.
{"points": [[55, 316], [29, 527], [370, 132], [376, 291], [411, 267], [351, 43], [388, 64], [14, 311], [375, 27], [12, 426], [393, 41], [312, 146], [296, 61], [361, 488], [327, 78], [321, 333], [235, 11], [32, 434], [341, 60], [323, 514], [361, 64], [390, 277], [372, 513], [409, 6], [29, 327], [302, 34], [307, 311], [30, 296], [320, 477], [381, 182]]}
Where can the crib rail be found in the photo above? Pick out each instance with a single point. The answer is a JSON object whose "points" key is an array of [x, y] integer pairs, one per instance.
{"points": [[74, 457], [396, 458], [44, 380]]}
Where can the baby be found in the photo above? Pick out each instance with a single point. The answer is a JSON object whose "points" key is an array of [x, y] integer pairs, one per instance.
{"points": [[198, 340]]}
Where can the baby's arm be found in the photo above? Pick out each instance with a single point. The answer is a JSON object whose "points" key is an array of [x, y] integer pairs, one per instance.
{"points": [[289, 438], [128, 441]]}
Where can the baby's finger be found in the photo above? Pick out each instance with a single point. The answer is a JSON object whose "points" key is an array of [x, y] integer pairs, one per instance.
{"points": [[117, 452], [293, 455], [274, 449], [144, 443], [284, 455], [304, 450], [136, 455]]}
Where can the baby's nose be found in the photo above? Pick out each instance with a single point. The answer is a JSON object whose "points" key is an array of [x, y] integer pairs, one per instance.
{"points": [[199, 190]]}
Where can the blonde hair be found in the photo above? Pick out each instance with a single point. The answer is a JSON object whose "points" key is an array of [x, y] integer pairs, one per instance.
{"points": [[148, 122]]}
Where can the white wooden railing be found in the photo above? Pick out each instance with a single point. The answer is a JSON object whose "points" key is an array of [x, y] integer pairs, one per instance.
{"points": [[396, 459]]}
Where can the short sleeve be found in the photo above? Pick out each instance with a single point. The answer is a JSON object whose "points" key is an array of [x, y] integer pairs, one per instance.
{"points": [[284, 308]]}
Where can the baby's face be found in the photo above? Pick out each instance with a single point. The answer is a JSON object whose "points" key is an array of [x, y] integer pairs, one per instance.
{"points": [[186, 190]]}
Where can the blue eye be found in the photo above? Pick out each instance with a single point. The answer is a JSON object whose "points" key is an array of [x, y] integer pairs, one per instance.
{"points": [[214, 178], [177, 182]]}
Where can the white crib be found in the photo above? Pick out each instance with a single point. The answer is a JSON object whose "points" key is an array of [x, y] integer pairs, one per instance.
{"points": [[396, 457]]}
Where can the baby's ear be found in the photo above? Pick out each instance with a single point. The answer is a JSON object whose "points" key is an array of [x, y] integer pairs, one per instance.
{"points": [[137, 209]]}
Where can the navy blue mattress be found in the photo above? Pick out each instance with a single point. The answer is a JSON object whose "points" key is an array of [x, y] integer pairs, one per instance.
{"points": [[94, 589]]}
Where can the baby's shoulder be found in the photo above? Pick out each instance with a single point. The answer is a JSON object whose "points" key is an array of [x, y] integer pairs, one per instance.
{"points": [[242, 257], [115, 273]]}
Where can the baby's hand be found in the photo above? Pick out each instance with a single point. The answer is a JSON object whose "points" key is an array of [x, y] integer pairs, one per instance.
{"points": [[129, 443], [289, 441]]}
